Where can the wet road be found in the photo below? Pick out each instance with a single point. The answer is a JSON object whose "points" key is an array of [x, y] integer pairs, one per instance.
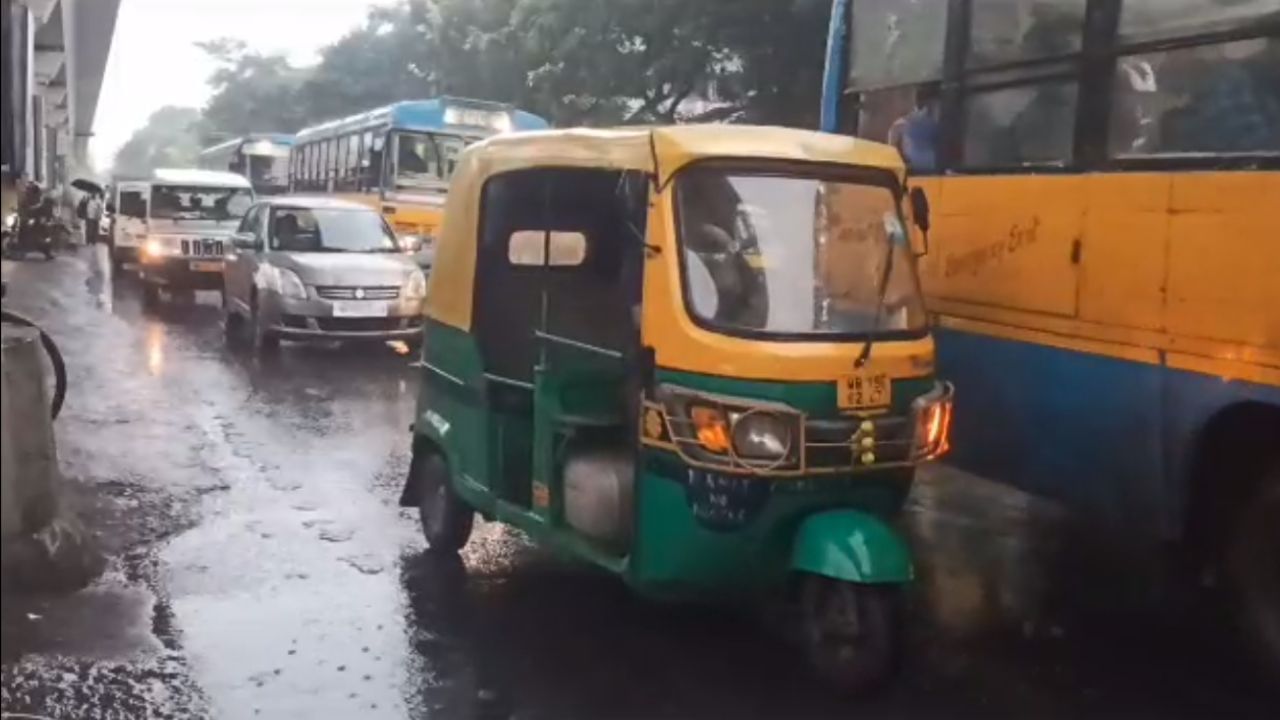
{"points": [[261, 568]]}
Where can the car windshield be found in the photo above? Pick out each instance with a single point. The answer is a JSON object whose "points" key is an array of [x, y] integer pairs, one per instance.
{"points": [[425, 161], [176, 202], [787, 255], [330, 230]]}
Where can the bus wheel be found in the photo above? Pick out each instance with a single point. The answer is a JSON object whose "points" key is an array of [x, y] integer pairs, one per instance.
{"points": [[852, 632], [446, 519], [1253, 570]]}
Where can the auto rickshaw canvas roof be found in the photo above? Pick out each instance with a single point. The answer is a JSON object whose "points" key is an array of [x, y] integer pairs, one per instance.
{"points": [[664, 150], [660, 151]]}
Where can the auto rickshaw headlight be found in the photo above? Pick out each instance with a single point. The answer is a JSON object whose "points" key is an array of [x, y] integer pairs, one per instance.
{"points": [[712, 428], [761, 435]]}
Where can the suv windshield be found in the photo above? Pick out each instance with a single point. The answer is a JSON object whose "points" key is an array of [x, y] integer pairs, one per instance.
{"points": [[425, 161], [786, 255], [175, 202], [330, 230]]}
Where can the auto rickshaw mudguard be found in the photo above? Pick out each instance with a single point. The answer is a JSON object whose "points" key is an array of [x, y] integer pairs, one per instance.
{"points": [[850, 545]]}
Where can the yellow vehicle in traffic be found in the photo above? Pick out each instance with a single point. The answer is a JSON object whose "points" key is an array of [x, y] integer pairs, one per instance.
{"points": [[697, 357]]}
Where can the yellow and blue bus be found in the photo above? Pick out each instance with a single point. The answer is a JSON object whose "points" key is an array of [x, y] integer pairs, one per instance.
{"points": [[1104, 267], [399, 158], [261, 157]]}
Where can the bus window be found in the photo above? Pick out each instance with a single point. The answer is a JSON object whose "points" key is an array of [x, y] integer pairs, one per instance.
{"points": [[373, 172], [352, 173], [896, 42], [1159, 19], [1028, 125], [1222, 98], [1003, 31]]}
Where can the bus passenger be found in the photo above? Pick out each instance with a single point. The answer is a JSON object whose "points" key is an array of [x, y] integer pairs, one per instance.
{"points": [[915, 134]]}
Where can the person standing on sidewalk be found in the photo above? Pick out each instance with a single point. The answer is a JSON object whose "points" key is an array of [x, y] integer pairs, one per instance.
{"points": [[92, 216]]}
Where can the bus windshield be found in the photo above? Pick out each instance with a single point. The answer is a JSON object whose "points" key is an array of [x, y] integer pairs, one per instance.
{"points": [[786, 255], [176, 202], [425, 161]]}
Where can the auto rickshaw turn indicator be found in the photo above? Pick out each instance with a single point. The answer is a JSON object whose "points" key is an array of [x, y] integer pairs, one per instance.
{"points": [[695, 356]]}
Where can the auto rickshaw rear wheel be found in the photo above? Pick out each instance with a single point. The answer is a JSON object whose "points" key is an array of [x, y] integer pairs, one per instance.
{"points": [[1253, 571], [852, 632], [446, 519]]}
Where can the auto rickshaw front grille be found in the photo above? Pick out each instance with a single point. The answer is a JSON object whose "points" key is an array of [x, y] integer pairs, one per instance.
{"points": [[830, 444], [836, 443]]}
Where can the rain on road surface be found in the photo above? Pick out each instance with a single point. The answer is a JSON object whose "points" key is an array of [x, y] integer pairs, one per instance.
{"points": [[261, 568]]}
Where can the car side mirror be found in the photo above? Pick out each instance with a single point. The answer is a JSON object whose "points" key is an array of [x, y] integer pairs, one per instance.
{"points": [[245, 241], [920, 214]]}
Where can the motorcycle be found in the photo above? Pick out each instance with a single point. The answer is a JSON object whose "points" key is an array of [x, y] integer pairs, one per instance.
{"points": [[27, 233]]}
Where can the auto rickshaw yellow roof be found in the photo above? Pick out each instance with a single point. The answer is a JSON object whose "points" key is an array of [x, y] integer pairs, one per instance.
{"points": [[662, 151]]}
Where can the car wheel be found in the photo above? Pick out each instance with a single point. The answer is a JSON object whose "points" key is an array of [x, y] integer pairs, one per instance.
{"points": [[232, 324], [150, 296], [264, 341], [446, 519]]}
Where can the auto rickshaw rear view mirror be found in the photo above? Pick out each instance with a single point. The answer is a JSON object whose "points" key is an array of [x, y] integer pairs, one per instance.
{"points": [[920, 208]]}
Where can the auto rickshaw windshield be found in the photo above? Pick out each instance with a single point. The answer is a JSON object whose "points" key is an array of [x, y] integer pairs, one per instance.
{"points": [[788, 255]]}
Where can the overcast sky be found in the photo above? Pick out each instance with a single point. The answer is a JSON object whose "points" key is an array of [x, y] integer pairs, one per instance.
{"points": [[154, 60]]}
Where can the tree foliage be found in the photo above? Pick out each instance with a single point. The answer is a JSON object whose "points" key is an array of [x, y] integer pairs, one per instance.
{"points": [[169, 139], [592, 62]]}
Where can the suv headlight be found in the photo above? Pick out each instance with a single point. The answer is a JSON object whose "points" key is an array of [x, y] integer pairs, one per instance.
{"points": [[416, 287]]}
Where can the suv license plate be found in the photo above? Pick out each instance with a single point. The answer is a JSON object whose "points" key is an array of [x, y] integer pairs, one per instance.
{"points": [[360, 308], [206, 266]]}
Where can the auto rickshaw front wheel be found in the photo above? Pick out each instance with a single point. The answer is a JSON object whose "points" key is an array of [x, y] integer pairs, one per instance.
{"points": [[446, 519], [852, 632]]}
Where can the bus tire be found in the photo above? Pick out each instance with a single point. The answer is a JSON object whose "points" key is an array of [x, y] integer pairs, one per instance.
{"points": [[1252, 566], [446, 520]]}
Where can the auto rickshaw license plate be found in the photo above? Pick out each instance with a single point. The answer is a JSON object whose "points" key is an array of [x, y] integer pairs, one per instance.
{"points": [[862, 390], [205, 266]]}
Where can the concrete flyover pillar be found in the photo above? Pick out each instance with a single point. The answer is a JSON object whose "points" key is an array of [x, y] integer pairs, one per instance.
{"points": [[43, 546]]}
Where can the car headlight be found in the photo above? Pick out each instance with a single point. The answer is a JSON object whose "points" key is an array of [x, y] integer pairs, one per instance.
{"points": [[761, 435], [280, 280], [11, 221], [416, 287]]}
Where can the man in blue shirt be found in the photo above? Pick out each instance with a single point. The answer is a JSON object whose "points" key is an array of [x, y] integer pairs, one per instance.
{"points": [[915, 134]]}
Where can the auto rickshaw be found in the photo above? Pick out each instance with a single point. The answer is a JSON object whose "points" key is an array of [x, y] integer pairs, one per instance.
{"points": [[695, 356]]}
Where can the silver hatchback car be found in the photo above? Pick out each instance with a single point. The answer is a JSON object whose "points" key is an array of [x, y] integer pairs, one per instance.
{"points": [[319, 269]]}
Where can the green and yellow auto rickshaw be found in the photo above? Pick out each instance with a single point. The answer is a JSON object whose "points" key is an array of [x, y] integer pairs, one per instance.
{"points": [[694, 356]]}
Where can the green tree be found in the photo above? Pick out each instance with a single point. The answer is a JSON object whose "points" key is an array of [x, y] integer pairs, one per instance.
{"points": [[169, 139], [252, 92], [383, 61]]}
